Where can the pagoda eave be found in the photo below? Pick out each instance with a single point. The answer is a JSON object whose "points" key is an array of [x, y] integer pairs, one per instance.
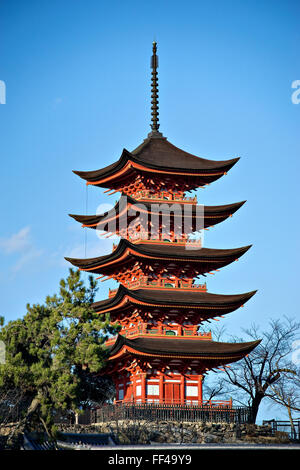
{"points": [[129, 208], [172, 298], [157, 161], [127, 254], [180, 348]]}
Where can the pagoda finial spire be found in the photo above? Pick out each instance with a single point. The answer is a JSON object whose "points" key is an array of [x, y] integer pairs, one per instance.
{"points": [[154, 93]]}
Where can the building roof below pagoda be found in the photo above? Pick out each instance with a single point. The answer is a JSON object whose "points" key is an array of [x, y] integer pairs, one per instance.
{"points": [[158, 155], [183, 347]]}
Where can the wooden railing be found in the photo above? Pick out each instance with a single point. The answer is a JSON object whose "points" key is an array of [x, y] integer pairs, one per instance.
{"points": [[162, 283], [144, 281], [185, 401], [143, 237], [291, 428], [166, 412], [142, 330], [165, 196]]}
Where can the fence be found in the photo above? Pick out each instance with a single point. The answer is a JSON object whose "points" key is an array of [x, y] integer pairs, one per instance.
{"points": [[161, 412], [285, 426]]}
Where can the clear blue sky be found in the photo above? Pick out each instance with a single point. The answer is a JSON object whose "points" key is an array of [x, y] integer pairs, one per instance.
{"points": [[78, 90]]}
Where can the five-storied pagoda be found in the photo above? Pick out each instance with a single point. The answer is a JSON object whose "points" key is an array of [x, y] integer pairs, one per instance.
{"points": [[162, 354]]}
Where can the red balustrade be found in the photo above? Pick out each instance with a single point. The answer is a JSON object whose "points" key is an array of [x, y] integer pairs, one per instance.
{"points": [[185, 401], [164, 330]]}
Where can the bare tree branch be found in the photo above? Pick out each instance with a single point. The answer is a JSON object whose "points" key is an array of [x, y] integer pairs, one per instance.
{"points": [[268, 371]]}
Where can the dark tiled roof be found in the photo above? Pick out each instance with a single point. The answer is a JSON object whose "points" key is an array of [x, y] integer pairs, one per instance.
{"points": [[184, 347], [180, 297], [166, 251], [159, 154], [212, 214], [88, 439]]}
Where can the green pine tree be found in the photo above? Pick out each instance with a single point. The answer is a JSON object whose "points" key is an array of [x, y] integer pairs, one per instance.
{"points": [[54, 354]]}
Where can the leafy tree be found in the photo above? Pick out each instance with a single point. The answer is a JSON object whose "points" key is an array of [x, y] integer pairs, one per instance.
{"points": [[54, 354]]}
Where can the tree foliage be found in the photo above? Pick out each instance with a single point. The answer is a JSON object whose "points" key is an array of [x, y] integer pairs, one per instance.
{"points": [[55, 352]]}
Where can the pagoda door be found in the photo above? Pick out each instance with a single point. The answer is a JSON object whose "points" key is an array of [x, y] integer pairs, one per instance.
{"points": [[129, 393], [172, 392]]}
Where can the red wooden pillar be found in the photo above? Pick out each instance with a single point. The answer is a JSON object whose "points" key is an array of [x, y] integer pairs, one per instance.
{"points": [[116, 384], [182, 390], [133, 380], [143, 387], [124, 388], [161, 388], [200, 395]]}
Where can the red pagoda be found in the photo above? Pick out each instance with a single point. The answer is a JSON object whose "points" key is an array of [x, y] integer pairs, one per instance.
{"points": [[162, 354]]}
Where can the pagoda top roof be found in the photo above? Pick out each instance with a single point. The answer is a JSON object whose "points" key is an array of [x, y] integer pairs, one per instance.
{"points": [[157, 154], [164, 251], [183, 347], [203, 301]]}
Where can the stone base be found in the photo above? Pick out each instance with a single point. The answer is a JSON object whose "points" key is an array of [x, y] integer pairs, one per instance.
{"points": [[143, 432]]}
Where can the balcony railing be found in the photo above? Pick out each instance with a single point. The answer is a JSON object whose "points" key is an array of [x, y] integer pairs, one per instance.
{"points": [[143, 237], [164, 331], [145, 282], [165, 196]]}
